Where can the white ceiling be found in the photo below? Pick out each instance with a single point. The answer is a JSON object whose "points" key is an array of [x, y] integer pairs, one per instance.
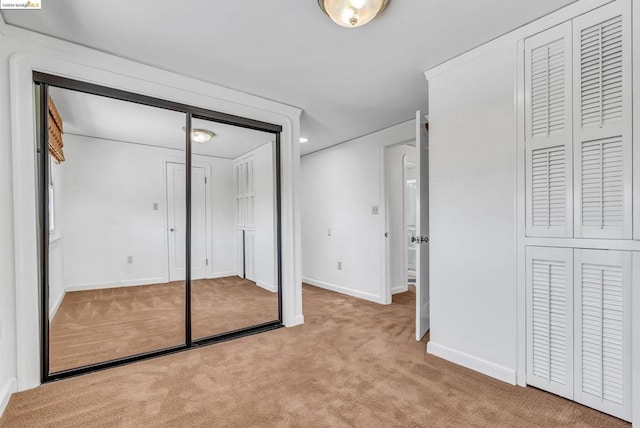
{"points": [[106, 118], [349, 82]]}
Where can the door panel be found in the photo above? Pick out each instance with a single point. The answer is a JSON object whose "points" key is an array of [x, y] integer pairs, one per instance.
{"points": [[550, 319], [603, 334], [549, 132], [422, 227]]}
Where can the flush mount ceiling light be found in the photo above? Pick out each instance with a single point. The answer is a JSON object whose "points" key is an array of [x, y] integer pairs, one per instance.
{"points": [[201, 135], [352, 13], [303, 139]]}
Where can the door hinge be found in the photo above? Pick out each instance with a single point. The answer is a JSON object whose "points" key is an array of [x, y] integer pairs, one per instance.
{"points": [[205, 180], [207, 262]]}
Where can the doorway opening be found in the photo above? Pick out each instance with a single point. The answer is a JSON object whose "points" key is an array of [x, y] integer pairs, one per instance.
{"points": [[406, 189]]}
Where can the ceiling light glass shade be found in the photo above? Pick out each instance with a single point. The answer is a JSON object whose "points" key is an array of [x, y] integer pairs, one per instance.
{"points": [[352, 13], [201, 135]]}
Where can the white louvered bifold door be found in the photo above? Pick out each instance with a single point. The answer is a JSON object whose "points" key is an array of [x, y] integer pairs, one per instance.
{"points": [[603, 333], [602, 123], [550, 319], [548, 124]]}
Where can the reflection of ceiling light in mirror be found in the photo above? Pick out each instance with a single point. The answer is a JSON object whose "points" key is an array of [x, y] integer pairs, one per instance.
{"points": [[303, 139], [201, 135]]}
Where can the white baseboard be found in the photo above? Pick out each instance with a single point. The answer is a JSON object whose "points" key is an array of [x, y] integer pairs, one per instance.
{"points": [[267, 286], [216, 275], [481, 365], [344, 290], [56, 305], [115, 284], [5, 393], [298, 320], [400, 289]]}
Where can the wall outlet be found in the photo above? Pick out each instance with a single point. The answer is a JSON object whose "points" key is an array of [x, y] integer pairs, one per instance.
{"points": [[329, 232], [339, 265], [129, 259], [375, 209]]}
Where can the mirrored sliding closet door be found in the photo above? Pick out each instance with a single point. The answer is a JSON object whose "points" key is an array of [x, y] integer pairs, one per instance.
{"points": [[116, 228], [234, 282]]}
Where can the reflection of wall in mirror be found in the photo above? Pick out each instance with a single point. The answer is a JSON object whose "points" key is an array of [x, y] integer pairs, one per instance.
{"points": [[262, 230], [56, 243], [110, 189]]}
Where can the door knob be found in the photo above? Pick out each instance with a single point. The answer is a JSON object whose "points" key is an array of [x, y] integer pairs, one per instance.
{"points": [[419, 239], [172, 230]]}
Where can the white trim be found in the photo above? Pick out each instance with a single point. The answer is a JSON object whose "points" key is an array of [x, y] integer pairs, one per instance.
{"points": [[399, 289], [216, 275], [472, 362], [267, 286], [299, 320], [344, 290], [635, 339], [554, 18], [635, 109], [115, 284], [56, 305], [635, 288], [5, 394], [520, 209], [48, 55]]}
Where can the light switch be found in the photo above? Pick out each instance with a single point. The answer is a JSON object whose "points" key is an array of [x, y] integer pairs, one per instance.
{"points": [[329, 232], [375, 209], [156, 206]]}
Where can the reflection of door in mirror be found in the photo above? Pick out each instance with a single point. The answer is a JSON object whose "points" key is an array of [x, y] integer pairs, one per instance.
{"points": [[111, 294], [176, 216]]}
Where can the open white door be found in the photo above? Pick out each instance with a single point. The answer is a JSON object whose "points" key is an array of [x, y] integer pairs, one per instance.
{"points": [[422, 228], [176, 220]]}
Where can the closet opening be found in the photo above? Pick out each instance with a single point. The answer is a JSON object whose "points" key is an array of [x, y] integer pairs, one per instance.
{"points": [[160, 226]]}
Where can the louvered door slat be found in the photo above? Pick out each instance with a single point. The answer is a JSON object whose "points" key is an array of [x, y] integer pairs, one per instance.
{"points": [[548, 138], [602, 137], [550, 319], [602, 333]]}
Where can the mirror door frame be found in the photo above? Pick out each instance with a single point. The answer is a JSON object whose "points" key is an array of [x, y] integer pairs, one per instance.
{"points": [[41, 82]]}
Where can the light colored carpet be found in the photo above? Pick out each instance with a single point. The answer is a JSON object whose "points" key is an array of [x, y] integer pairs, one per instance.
{"points": [[352, 364], [100, 325]]}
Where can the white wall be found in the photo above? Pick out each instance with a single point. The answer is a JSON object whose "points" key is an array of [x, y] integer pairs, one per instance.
{"points": [[472, 212], [22, 52], [110, 190], [8, 342], [56, 243], [394, 173], [265, 249], [340, 185]]}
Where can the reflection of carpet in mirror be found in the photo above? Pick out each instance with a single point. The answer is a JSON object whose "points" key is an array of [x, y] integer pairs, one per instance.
{"points": [[99, 325]]}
